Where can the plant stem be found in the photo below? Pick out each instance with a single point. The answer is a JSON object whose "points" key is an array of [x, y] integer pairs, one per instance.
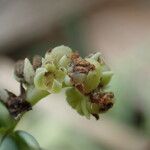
{"points": [[33, 96]]}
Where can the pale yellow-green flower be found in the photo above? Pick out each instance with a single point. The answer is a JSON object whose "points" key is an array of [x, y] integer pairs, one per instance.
{"points": [[49, 78], [58, 55]]}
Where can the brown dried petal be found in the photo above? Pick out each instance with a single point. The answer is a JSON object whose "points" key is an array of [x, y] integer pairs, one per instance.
{"points": [[80, 65], [17, 104], [19, 67], [105, 100], [37, 62], [74, 56]]}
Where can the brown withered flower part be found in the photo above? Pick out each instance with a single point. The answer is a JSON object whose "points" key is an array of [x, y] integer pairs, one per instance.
{"points": [[17, 104], [80, 65], [96, 116], [37, 61], [105, 100], [80, 87], [19, 66]]}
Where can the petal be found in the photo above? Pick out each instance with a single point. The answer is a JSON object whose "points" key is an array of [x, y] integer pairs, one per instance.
{"points": [[96, 56], [106, 77], [94, 62], [60, 75], [67, 81], [28, 71], [50, 67], [73, 97], [39, 78], [77, 101], [57, 53], [84, 108], [92, 81], [93, 108], [56, 87], [78, 77], [64, 61]]}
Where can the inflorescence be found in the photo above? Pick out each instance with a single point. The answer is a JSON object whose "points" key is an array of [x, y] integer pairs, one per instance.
{"points": [[85, 80]]}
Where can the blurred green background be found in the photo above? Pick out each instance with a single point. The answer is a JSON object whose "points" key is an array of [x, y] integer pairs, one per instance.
{"points": [[119, 29]]}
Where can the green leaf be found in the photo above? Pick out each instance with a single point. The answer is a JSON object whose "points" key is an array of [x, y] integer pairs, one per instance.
{"points": [[9, 144], [26, 141], [19, 140]]}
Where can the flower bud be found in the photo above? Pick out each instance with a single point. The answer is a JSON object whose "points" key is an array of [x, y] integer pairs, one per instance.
{"points": [[37, 62], [18, 71], [57, 53], [28, 71]]}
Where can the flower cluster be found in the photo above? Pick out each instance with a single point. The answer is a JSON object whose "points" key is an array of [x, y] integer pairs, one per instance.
{"points": [[85, 79]]}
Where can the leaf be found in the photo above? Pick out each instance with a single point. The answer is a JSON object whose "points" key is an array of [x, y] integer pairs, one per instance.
{"points": [[25, 141], [19, 140], [9, 144]]}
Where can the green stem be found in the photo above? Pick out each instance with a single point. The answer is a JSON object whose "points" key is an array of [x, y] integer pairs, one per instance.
{"points": [[33, 96]]}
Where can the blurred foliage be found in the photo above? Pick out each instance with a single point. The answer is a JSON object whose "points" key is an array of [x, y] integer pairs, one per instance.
{"points": [[68, 33], [57, 135], [131, 86]]}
